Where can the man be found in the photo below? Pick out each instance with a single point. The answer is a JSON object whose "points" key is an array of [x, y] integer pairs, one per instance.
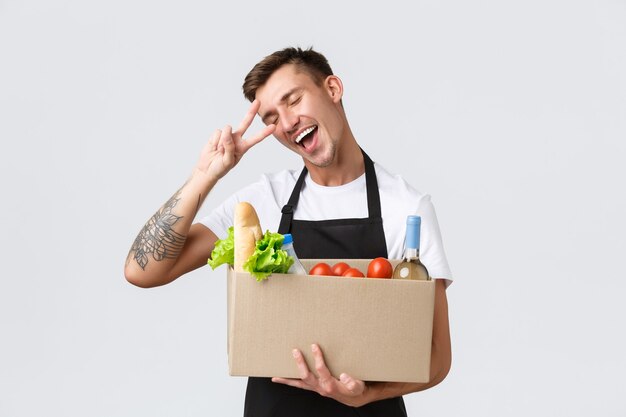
{"points": [[341, 205]]}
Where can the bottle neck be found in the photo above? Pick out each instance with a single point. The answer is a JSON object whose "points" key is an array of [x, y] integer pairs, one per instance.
{"points": [[411, 253], [412, 242]]}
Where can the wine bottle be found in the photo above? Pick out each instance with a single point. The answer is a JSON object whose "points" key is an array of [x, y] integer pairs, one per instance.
{"points": [[411, 267], [297, 267]]}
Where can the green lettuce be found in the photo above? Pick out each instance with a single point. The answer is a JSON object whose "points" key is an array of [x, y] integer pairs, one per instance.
{"points": [[268, 257], [224, 251]]}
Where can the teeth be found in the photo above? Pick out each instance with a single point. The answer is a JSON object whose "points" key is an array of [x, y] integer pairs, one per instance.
{"points": [[304, 133]]}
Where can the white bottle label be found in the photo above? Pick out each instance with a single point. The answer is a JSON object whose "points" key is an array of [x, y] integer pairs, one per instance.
{"points": [[404, 272]]}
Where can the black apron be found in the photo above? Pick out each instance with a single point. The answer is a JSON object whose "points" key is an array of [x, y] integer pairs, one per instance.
{"points": [[339, 239]]}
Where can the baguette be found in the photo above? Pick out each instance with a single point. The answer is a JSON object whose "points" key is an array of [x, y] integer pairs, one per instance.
{"points": [[247, 232]]}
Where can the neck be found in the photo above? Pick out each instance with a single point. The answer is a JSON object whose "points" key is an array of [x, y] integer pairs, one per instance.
{"points": [[347, 165]]}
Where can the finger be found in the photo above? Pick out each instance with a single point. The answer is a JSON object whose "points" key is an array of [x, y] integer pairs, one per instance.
{"points": [[292, 382], [226, 141], [225, 132], [211, 144], [249, 117], [320, 364], [303, 368], [354, 386], [265, 132]]}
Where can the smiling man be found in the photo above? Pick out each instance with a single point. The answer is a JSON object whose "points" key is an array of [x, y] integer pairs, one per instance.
{"points": [[340, 205]]}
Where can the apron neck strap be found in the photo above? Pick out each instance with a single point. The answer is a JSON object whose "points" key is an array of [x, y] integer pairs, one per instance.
{"points": [[371, 184]]}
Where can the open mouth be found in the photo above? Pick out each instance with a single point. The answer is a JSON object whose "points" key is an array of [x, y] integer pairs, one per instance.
{"points": [[305, 136]]}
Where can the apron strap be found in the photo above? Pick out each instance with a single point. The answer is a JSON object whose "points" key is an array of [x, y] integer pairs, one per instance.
{"points": [[287, 210], [371, 184]]}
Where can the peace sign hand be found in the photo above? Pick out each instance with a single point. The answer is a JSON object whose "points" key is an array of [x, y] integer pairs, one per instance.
{"points": [[225, 148]]}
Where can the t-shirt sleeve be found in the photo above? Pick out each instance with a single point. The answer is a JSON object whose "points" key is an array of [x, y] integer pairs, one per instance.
{"points": [[221, 218], [259, 194], [432, 253]]}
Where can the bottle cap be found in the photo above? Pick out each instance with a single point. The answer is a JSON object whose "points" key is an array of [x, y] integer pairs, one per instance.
{"points": [[413, 224], [411, 220], [288, 239]]}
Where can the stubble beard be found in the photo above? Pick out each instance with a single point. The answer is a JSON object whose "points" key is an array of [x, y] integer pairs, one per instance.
{"points": [[327, 159]]}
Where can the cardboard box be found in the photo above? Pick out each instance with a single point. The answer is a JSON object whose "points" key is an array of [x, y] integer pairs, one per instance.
{"points": [[372, 329]]}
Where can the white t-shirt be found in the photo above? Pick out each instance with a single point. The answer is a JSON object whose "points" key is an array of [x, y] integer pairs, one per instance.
{"points": [[397, 199]]}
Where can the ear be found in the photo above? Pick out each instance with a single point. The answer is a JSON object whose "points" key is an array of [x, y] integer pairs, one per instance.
{"points": [[334, 87]]}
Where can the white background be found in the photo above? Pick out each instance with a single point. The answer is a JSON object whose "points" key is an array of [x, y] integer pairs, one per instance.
{"points": [[510, 114]]}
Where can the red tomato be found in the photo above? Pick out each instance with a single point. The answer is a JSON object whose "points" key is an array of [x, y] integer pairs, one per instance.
{"points": [[379, 268], [353, 272], [339, 268], [321, 268]]}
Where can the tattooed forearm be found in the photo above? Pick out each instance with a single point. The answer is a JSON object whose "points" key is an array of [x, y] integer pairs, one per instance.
{"points": [[158, 239]]}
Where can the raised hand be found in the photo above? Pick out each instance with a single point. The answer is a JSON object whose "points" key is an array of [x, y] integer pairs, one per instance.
{"points": [[226, 147]]}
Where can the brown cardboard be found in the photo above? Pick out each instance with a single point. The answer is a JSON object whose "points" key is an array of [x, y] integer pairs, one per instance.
{"points": [[372, 329]]}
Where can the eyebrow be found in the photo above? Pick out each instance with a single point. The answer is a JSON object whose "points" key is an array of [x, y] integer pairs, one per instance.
{"points": [[283, 99]]}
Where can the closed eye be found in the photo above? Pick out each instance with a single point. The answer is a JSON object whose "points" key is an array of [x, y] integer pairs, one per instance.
{"points": [[269, 120]]}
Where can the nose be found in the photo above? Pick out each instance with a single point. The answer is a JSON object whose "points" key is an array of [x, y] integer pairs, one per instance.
{"points": [[288, 122]]}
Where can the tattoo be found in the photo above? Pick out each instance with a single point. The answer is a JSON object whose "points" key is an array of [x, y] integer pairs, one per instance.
{"points": [[158, 238]]}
